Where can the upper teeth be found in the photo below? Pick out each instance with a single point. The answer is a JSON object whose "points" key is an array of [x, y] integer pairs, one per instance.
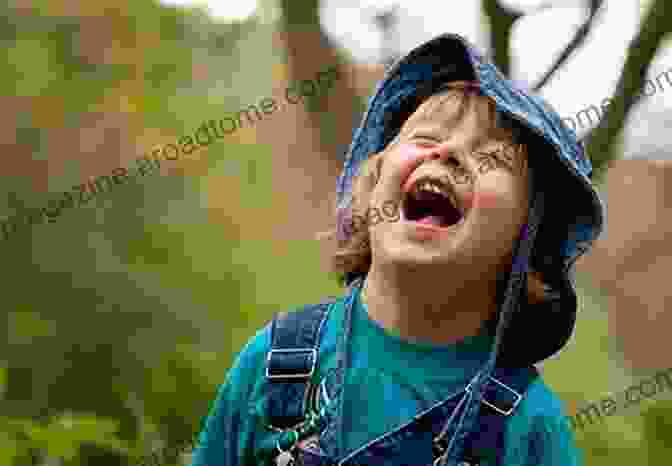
{"points": [[434, 186], [431, 187]]}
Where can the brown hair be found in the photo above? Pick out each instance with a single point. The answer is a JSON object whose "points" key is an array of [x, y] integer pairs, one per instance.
{"points": [[353, 254]]}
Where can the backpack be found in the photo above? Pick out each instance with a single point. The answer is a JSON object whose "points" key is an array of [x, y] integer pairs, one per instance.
{"points": [[291, 365]]}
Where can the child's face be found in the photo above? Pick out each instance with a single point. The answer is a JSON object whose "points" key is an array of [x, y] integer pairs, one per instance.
{"points": [[461, 185]]}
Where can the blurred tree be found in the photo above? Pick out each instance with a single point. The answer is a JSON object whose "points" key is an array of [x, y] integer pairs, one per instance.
{"points": [[576, 42], [387, 21], [310, 50], [105, 308], [603, 139], [501, 22]]}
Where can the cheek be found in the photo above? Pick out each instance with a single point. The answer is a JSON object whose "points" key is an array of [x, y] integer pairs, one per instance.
{"points": [[498, 192], [484, 200], [498, 218], [492, 201]]}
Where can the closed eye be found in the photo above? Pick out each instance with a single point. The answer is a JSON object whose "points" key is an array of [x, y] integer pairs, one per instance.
{"points": [[501, 156], [484, 153], [425, 137]]}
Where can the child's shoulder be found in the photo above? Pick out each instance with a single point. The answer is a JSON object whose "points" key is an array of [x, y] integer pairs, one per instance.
{"points": [[252, 358], [540, 410], [540, 400], [539, 431], [248, 365]]}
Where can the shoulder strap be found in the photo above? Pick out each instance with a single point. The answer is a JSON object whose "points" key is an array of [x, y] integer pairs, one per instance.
{"points": [[503, 392], [291, 362]]}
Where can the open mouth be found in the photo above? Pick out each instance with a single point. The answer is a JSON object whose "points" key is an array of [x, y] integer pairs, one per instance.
{"points": [[431, 201]]}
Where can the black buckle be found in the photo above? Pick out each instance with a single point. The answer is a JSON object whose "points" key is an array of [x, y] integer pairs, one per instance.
{"points": [[308, 351], [507, 412]]}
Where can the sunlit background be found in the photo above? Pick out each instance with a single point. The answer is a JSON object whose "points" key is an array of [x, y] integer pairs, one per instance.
{"points": [[124, 314]]}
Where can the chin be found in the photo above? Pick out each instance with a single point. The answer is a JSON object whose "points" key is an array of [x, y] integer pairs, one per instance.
{"points": [[404, 245]]}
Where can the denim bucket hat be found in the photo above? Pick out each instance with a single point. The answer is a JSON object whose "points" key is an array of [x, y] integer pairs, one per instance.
{"points": [[566, 213]]}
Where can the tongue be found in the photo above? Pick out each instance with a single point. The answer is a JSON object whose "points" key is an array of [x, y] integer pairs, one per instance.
{"points": [[431, 220]]}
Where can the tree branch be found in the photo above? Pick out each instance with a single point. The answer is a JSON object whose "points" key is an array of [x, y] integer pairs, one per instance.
{"points": [[501, 22], [603, 138], [310, 51], [576, 42]]}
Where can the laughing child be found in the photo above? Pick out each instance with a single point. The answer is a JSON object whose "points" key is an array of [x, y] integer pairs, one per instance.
{"points": [[428, 358]]}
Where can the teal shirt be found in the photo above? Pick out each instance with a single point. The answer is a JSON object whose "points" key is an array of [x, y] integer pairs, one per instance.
{"points": [[384, 370]]}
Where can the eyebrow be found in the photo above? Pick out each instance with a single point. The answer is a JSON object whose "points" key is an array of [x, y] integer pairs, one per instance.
{"points": [[426, 129], [428, 110], [433, 128]]}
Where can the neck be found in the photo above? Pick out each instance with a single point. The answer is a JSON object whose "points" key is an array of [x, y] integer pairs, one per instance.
{"points": [[438, 308]]}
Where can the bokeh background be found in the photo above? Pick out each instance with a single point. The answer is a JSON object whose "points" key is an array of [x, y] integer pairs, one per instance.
{"points": [[122, 316]]}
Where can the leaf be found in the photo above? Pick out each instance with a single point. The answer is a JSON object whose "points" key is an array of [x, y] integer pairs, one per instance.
{"points": [[9, 448], [3, 381]]}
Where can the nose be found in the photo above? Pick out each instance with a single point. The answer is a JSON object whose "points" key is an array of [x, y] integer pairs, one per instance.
{"points": [[447, 157], [462, 171], [435, 155]]}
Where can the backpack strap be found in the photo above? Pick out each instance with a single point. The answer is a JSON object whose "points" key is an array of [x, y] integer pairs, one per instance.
{"points": [[502, 393], [291, 362]]}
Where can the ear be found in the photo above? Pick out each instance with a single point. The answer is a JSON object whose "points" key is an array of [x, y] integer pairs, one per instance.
{"points": [[373, 167], [536, 292]]}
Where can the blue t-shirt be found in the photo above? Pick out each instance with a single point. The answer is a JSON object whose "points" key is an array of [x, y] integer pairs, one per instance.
{"points": [[384, 370]]}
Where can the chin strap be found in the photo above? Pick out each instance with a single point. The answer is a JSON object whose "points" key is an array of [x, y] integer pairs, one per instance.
{"points": [[517, 282]]}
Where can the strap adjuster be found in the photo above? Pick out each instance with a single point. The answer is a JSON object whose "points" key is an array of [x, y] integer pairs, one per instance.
{"points": [[311, 352], [507, 412]]}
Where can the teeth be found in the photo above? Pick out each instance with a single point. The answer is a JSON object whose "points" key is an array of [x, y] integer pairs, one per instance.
{"points": [[431, 187]]}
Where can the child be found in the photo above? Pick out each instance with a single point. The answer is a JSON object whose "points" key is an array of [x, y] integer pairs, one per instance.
{"points": [[429, 356]]}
